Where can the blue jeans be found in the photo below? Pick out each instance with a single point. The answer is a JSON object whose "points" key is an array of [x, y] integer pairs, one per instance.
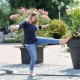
{"points": [[32, 48]]}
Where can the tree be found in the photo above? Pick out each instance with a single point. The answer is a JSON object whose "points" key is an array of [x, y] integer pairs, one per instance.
{"points": [[4, 14], [49, 5]]}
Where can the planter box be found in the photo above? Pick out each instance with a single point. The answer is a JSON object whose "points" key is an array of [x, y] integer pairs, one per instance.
{"points": [[26, 57], [1, 37], [74, 46]]}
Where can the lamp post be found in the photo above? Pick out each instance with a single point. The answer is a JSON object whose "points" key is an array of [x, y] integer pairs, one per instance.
{"points": [[59, 9]]}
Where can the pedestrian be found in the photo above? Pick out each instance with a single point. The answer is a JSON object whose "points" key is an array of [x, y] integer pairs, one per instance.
{"points": [[31, 40]]}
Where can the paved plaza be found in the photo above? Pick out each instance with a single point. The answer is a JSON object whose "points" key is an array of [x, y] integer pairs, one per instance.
{"points": [[57, 64]]}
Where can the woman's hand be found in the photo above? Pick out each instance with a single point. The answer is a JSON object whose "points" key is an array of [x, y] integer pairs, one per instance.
{"points": [[44, 26], [14, 27]]}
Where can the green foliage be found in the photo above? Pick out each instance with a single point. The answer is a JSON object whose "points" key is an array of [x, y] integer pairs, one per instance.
{"points": [[4, 15], [2, 19], [48, 5], [43, 21], [9, 40], [19, 36], [43, 32], [75, 20], [75, 28], [57, 28]]}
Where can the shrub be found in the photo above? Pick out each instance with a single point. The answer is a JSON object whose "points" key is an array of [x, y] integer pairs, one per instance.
{"points": [[23, 13], [75, 28], [75, 20], [43, 32], [57, 28]]}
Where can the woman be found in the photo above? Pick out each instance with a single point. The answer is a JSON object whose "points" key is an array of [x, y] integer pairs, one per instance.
{"points": [[30, 39]]}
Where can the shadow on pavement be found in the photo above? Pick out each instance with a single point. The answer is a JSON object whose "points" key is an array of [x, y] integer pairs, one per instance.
{"points": [[32, 78], [72, 72]]}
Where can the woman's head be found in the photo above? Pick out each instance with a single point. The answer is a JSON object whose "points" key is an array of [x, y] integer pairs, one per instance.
{"points": [[33, 18]]}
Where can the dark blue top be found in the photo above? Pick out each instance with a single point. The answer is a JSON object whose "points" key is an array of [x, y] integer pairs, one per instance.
{"points": [[29, 32]]}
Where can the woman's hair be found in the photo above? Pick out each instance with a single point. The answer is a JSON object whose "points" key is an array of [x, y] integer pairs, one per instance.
{"points": [[31, 15]]}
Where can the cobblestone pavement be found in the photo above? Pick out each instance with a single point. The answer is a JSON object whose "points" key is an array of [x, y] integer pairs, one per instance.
{"points": [[57, 64]]}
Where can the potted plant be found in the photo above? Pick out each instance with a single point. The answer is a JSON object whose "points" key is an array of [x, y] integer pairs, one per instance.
{"points": [[74, 42], [25, 57], [17, 18]]}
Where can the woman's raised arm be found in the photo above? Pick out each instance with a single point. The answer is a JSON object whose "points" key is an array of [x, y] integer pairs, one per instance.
{"points": [[42, 26]]}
